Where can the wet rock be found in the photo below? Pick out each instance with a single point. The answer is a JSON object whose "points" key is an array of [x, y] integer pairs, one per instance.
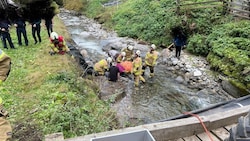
{"points": [[231, 89], [197, 73], [84, 53], [179, 79], [112, 90], [174, 61]]}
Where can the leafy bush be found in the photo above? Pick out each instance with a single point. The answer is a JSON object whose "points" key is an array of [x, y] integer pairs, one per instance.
{"points": [[197, 45], [146, 20], [230, 44]]}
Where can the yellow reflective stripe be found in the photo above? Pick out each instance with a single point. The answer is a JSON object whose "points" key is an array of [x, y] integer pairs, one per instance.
{"points": [[1, 54]]}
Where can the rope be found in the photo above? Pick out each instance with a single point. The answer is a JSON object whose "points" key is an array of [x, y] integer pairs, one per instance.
{"points": [[201, 122]]}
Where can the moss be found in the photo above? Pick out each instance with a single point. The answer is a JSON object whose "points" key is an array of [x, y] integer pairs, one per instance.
{"points": [[240, 86]]}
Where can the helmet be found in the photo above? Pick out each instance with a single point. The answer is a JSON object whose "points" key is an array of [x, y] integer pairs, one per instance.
{"points": [[130, 47], [153, 46], [53, 35], [138, 52], [123, 54], [109, 59]]}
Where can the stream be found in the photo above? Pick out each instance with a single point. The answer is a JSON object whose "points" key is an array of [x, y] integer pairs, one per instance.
{"points": [[159, 98]]}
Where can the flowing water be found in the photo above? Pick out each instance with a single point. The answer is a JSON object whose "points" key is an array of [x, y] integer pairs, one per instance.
{"points": [[160, 98]]}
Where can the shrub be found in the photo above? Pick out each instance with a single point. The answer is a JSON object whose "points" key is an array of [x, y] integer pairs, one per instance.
{"points": [[230, 51], [197, 45]]}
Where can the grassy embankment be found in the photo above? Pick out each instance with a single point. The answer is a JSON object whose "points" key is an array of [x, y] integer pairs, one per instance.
{"points": [[44, 94]]}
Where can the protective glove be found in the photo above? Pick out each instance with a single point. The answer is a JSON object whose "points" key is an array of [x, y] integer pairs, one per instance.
{"points": [[52, 53], [3, 111]]}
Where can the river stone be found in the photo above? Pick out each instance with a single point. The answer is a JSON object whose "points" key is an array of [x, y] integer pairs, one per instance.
{"points": [[104, 44], [165, 53], [84, 53], [174, 61], [170, 68], [187, 75], [111, 90], [231, 89], [113, 53], [197, 73], [177, 67], [179, 79]]}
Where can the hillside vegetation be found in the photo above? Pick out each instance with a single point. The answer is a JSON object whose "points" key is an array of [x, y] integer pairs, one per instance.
{"points": [[211, 32]]}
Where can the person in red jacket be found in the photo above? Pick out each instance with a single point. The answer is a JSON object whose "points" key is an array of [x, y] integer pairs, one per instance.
{"points": [[57, 44]]}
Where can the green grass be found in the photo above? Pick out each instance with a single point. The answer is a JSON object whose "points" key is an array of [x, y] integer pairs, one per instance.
{"points": [[44, 94]]}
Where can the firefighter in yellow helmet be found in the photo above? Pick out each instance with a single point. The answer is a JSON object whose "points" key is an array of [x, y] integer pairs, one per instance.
{"points": [[128, 53], [150, 60], [5, 127], [102, 66], [137, 68]]}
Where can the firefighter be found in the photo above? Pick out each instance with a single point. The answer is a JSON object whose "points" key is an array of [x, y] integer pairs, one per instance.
{"points": [[150, 60], [57, 44], [5, 127], [121, 57], [137, 68], [119, 60], [129, 52], [102, 66]]}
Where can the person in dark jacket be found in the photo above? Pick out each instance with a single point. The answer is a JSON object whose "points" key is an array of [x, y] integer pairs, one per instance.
{"points": [[36, 29], [49, 25], [179, 42], [113, 72], [21, 29], [4, 27]]}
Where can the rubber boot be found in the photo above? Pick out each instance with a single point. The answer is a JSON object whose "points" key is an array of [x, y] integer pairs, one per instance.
{"points": [[143, 70], [3, 112], [142, 79], [136, 79]]}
